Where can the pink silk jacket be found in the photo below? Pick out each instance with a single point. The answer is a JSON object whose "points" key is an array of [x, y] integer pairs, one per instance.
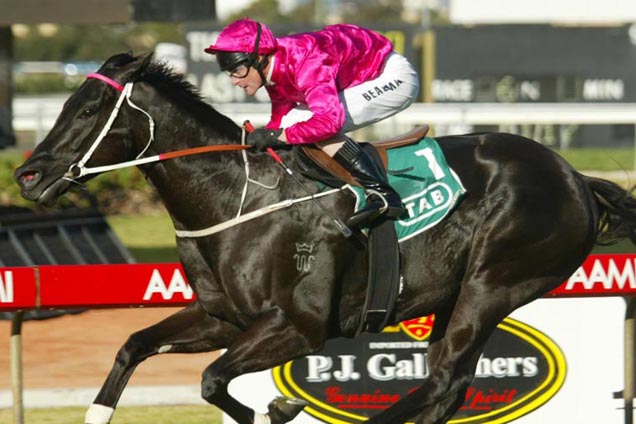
{"points": [[312, 68]]}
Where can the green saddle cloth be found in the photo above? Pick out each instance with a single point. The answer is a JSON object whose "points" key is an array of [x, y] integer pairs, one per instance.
{"points": [[429, 188]]}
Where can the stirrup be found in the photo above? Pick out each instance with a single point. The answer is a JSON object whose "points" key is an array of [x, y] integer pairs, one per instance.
{"points": [[364, 217], [386, 209], [370, 213], [385, 203]]}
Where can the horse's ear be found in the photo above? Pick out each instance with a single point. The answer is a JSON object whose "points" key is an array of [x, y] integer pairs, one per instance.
{"points": [[116, 62], [133, 70], [146, 58]]}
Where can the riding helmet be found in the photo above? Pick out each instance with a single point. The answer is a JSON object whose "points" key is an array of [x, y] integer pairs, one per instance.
{"points": [[244, 37]]}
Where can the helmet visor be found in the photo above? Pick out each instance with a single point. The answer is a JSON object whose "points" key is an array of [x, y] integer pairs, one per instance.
{"points": [[231, 60]]}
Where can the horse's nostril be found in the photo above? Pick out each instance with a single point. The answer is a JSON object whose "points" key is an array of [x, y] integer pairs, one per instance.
{"points": [[28, 178]]}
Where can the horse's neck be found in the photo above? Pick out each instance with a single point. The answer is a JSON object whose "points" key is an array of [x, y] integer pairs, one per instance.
{"points": [[200, 189]]}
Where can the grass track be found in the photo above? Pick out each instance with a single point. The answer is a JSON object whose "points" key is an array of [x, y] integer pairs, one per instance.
{"points": [[600, 159], [124, 415], [150, 238]]}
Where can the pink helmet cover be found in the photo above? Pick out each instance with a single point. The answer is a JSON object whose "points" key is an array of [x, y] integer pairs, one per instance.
{"points": [[240, 36]]}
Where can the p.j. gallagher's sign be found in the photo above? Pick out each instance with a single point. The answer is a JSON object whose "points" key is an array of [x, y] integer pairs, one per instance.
{"points": [[351, 380]]}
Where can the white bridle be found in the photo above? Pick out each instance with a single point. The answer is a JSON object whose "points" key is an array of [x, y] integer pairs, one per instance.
{"points": [[80, 169]]}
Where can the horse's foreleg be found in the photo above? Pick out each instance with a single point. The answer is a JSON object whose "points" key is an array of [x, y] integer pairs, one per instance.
{"points": [[271, 340], [190, 330]]}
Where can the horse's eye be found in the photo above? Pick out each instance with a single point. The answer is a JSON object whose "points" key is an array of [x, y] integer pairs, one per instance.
{"points": [[87, 113]]}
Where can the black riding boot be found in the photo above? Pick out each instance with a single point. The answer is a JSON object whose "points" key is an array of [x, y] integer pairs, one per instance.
{"points": [[382, 200]]}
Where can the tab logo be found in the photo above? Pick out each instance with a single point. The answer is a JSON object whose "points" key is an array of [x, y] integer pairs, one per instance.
{"points": [[434, 199], [157, 286], [6, 287]]}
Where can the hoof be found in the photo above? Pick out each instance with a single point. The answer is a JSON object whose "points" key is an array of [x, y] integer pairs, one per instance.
{"points": [[284, 409]]}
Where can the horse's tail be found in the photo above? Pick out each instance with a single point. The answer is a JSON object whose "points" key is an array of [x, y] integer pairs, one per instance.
{"points": [[617, 209]]}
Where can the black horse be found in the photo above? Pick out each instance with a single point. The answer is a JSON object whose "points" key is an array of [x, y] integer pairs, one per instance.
{"points": [[528, 221]]}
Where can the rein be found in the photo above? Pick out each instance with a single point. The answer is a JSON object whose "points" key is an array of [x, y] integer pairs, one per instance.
{"points": [[80, 169]]}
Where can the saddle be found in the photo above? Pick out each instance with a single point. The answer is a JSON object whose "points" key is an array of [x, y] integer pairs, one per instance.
{"points": [[383, 277], [316, 164]]}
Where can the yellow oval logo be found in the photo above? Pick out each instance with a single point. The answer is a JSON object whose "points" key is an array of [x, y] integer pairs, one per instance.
{"points": [[351, 380]]}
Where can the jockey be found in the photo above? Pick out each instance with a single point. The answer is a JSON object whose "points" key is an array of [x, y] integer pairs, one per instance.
{"points": [[322, 85]]}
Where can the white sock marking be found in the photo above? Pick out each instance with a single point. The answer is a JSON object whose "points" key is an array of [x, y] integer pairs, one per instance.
{"points": [[98, 414]]}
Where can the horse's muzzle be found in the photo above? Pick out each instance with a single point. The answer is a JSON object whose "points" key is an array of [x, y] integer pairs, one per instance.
{"points": [[50, 194], [34, 188]]}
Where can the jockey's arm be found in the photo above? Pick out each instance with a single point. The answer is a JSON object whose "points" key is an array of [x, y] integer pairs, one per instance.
{"points": [[327, 116], [317, 82], [280, 107], [319, 87]]}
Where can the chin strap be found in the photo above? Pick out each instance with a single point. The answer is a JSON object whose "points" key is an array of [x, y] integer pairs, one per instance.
{"points": [[261, 64]]}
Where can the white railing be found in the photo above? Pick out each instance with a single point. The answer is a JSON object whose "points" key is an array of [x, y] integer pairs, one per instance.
{"points": [[38, 114]]}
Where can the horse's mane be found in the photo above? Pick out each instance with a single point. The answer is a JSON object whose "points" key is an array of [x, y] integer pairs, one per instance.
{"points": [[160, 75], [174, 87]]}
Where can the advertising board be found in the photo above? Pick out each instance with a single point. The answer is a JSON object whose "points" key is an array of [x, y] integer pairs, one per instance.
{"points": [[520, 370], [537, 64], [17, 289], [555, 360]]}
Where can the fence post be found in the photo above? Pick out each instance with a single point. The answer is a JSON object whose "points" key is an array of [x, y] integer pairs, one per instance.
{"points": [[16, 367], [629, 391]]}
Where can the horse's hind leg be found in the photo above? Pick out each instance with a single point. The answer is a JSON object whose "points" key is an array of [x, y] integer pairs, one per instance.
{"points": [[190, 330], [448, 403], [271, 340], [453, 354]]}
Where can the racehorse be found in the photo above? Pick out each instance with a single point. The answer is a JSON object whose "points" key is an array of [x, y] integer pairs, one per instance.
{"points": [[527, 222]]}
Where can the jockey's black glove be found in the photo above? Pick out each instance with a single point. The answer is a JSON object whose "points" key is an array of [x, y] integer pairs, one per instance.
{"points": [[262, 138]]}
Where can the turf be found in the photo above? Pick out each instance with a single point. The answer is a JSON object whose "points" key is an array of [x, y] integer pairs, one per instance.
{"points": [[124, 415]]}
